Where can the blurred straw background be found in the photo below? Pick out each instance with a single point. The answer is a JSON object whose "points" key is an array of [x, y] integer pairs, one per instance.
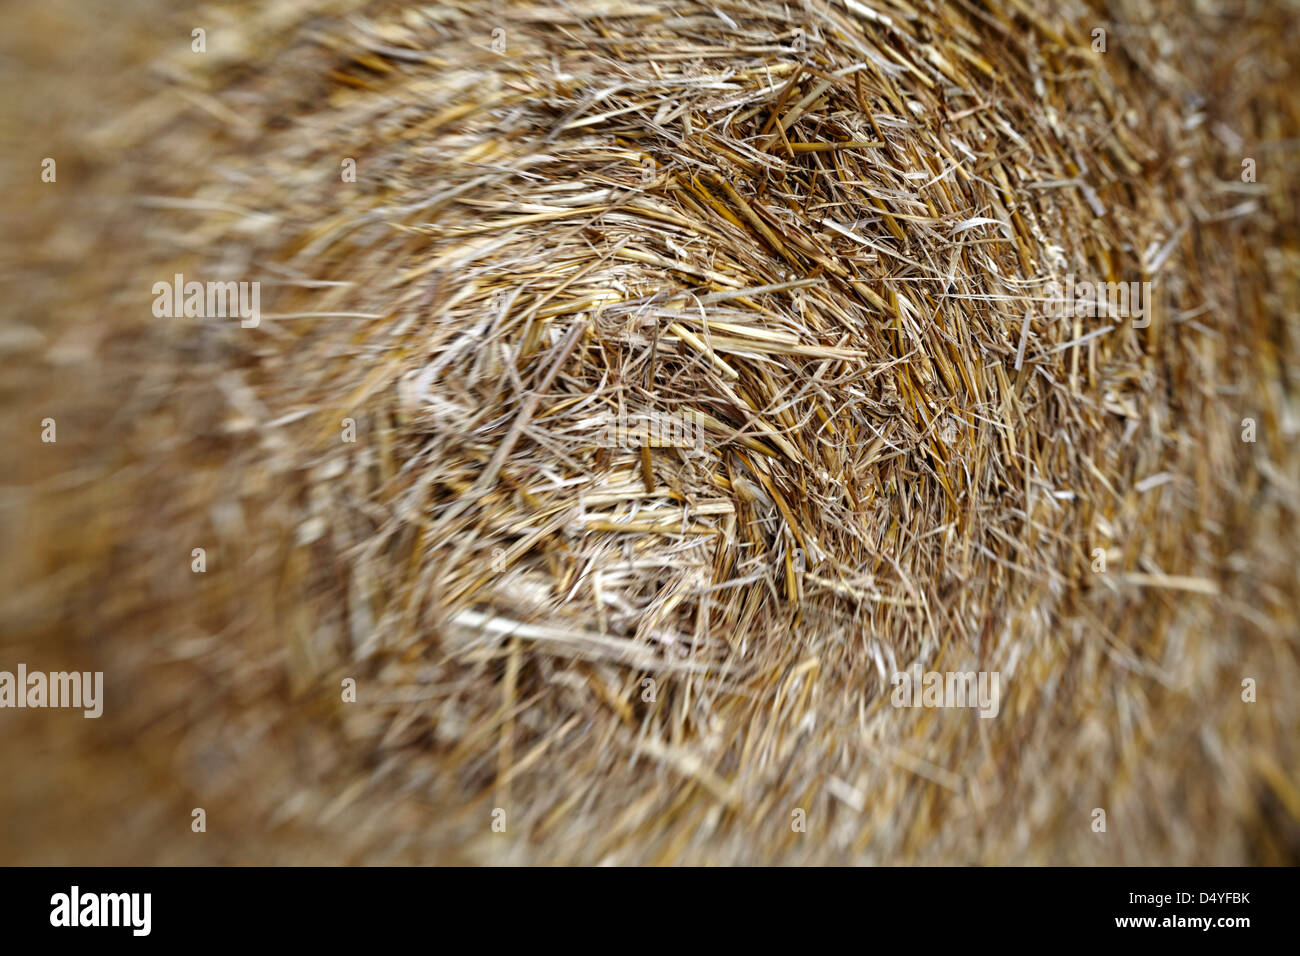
{"points": [[809, 231]]}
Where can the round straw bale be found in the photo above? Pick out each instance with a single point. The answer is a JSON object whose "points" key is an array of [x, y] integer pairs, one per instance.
{"points": [[657, 432]]}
